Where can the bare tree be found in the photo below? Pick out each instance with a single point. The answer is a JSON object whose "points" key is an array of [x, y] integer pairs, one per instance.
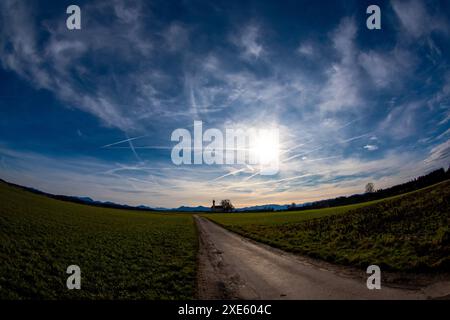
{"points": [[226, 205], [370, 187]]}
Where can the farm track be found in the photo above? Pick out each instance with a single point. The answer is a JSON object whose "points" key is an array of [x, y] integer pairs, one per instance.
{"points": [[233, 267]]}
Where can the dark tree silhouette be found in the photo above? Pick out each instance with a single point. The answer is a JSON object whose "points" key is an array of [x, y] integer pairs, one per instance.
{"points": [[370, 187], [226, 205]]}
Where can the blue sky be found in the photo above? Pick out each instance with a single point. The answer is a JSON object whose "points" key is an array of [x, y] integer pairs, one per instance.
{"points": [[352, 105]]}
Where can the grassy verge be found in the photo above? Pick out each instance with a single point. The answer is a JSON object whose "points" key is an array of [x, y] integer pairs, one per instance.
{"points": [[122, 254], [403, 233]]}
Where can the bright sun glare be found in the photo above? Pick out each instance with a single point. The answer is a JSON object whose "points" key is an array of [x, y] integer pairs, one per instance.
{"points": [[266, 148]]}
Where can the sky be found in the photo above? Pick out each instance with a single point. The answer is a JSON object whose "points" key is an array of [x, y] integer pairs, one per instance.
{"points": [[91, 112]]}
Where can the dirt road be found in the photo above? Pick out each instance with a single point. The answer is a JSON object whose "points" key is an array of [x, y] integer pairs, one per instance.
{"points": [[233, 267]]}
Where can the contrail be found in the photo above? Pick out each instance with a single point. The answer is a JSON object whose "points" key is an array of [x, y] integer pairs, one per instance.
{"points": [[282, 180], [130, 142], [126, 140], [349, 123], [302, 154], [293, 148], [340, 142], [253, 175], [356, 138], [293, 178], [320, 159], [153, 182], [229, 174]]}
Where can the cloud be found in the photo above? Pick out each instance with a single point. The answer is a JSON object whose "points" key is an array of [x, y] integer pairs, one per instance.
{"points": [[371, 147], [18, 45], [156, 185], [387, 69], [215, 85], [341, 90], [306, 49], [62, 61], [442, 97], [439, 154], [176, 36], [416, 20], [248, 39], [401, 122]]}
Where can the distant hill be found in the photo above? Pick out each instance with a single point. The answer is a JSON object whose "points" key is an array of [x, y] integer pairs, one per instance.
{"points": [[191, 209], [81, 200], [86, 199], [266, 207], [427, 180]]}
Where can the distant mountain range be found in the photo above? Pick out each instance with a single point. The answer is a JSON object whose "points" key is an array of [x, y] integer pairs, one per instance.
{"points": [[266, 207], [186, 209], [415, 184], [109, 204]]}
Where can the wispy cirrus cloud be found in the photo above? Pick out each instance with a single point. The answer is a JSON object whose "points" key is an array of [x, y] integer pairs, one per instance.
{"points": [[248, 39], [341, 91], [439, 154], [370, 147], [58, 64], [417, 20], [142, 73]]}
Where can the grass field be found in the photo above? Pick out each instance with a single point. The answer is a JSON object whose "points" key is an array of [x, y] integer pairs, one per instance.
{"points": [[403, 233], [143, 255], [122, 254]]}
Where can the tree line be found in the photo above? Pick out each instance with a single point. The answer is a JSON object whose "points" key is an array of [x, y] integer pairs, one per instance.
{"points": [[429, 179]]}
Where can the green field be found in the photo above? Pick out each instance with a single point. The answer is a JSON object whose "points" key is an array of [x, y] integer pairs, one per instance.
{"points": [[403, 233], [122, 254], [282, 217], [126, 254]]}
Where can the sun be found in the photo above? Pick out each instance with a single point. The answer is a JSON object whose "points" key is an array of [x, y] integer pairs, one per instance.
{"points": [[266, 148]]}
